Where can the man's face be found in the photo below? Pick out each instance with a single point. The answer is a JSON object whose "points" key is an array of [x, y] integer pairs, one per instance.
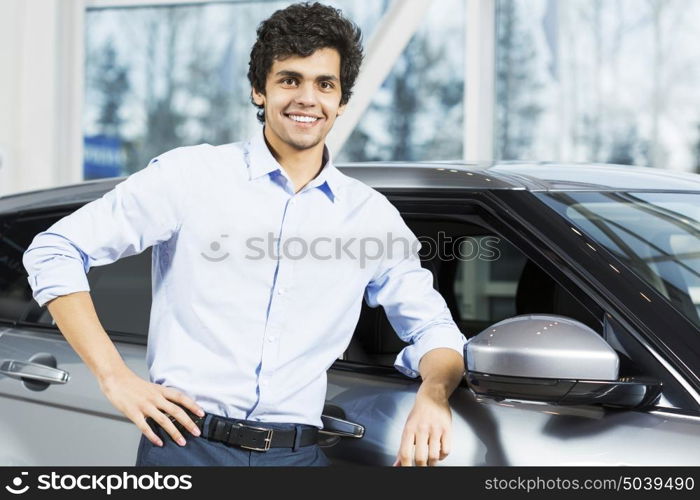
{"points": [[302, 100]]}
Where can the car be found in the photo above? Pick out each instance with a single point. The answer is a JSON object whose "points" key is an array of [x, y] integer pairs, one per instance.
{"points": [[576, 285]]}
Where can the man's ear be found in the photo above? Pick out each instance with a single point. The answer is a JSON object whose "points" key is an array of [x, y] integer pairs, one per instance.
{"points": [[341, 109], [258, 98]]}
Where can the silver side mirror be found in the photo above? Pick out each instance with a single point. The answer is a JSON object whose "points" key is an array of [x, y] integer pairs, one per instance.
{"points": [[552, 359]]}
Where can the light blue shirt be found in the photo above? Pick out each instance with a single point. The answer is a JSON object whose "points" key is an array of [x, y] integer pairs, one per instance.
{"points": [[256, 289]]}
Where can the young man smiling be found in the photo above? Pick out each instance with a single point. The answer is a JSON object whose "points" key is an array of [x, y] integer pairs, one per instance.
{"points": [[249, 341]]}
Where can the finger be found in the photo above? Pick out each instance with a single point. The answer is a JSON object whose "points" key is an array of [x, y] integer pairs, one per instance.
{"points": [[421, 448], [446, 444], [167, 425], [180, 415], [143, 426], [434, 446], [405, 457], [183, 399]]}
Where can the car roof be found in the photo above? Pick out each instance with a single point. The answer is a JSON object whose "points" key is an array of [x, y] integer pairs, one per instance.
{"points": [[428, 176]]}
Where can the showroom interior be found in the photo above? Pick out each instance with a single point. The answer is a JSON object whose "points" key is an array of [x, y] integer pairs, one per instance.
{"points": [[96, 88]]}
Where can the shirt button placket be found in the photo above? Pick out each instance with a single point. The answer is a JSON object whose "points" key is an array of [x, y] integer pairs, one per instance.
{"points": [[277, 313]]}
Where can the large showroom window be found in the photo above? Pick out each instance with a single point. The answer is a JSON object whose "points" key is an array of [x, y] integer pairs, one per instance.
{"points": [[159, 77], [598, 80], [417, 114]]}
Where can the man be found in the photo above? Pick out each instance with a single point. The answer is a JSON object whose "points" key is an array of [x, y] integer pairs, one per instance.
{"points": [[242, 333]]}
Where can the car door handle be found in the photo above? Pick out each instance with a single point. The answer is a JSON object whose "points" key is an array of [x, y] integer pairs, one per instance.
{"points": [[24, 370], [335, 426]]}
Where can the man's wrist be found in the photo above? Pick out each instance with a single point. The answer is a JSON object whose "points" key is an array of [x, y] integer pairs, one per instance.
{"points": [[436, 391], [107, 372]]}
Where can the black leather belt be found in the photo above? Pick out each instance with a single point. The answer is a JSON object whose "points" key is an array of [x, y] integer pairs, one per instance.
{"points": [[251, 437]]}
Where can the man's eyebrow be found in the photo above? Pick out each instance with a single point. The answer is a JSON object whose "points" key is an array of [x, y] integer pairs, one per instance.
{"points": [[296, 74], [332, 78], [285, 72]]}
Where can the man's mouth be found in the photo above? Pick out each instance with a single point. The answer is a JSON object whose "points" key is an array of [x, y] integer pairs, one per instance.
{"points": [[302, 119]]}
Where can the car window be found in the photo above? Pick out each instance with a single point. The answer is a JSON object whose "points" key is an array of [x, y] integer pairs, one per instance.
{"points": [[15, 236], [656, 235], [121, 292], [483, 279], [491, 280], [486, 281]]}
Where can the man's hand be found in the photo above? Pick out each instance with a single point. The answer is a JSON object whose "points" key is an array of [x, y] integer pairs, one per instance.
{"points": [[138, 399], [427, 435]]}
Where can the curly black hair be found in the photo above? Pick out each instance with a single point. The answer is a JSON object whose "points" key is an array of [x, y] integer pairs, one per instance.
{"points": [[300, 30]]}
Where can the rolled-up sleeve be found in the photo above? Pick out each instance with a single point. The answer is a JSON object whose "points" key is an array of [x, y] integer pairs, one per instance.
{"points": [[416, 311], [139, 212]]}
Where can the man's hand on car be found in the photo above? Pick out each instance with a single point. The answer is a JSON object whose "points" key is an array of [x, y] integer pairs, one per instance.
{"points": [[427, 434]]}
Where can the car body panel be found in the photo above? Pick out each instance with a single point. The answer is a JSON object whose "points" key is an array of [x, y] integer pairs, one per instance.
{"points": [[486, 432], [65, 424]]}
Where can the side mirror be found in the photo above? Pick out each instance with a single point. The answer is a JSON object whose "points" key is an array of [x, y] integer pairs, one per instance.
{"points": [[551, 359]]}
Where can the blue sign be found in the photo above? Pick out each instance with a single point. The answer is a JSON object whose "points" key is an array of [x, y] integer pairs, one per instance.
{"points": [[104, 157]]}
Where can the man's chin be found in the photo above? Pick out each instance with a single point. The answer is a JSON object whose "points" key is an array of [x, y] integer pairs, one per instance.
{"points": [[302, 145]]}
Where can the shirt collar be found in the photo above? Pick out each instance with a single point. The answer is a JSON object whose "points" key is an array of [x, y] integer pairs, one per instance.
{"points": [[261, 162]]}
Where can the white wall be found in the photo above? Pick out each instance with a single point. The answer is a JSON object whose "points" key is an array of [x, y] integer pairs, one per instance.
{"points": [[41, 47]]}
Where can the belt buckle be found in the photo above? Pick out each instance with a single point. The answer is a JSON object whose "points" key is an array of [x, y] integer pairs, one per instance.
{"points": [[267, 440]]}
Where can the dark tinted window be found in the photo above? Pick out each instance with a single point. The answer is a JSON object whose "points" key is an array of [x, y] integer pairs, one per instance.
{"points": [[15, 236], [121, 292], [486, 281]]}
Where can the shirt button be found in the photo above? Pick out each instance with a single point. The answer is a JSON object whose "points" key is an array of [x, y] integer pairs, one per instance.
{"points": [[280, 291], [265, 382], [294, 202], [271, 339]]}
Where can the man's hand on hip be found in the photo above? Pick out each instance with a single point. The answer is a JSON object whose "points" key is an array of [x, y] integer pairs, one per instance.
{"points": [[138, 399]]}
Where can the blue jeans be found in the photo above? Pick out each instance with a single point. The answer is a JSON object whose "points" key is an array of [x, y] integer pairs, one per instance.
{"points": [[201, 451]]}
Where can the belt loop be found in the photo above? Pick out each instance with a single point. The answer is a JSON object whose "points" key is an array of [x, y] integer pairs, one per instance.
{"points": [[206, 426], [297, 437]]}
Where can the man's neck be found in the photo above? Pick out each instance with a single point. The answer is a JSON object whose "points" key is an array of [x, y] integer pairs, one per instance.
{"points": [[301, 166]]}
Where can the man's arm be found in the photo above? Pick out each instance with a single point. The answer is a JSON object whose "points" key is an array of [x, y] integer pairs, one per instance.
{"points": [[420, 316], [136, 398], [138, 213]]}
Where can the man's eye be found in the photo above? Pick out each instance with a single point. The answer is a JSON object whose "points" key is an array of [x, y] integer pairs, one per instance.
{"points": [[327, 85], [289, 81]]}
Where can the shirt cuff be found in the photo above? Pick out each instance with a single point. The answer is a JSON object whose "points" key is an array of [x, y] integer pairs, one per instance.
{"points": [[69, 277], [407, 361]]}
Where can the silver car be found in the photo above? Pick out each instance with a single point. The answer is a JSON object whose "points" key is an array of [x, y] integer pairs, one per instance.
{"points": [[578, 288]]}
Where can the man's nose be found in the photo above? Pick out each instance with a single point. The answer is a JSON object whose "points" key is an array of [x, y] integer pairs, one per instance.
{"points": [[306, 94]]}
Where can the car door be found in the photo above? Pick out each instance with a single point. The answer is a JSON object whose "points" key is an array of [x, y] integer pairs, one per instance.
{"points": [[53, 412], [524, 276]]}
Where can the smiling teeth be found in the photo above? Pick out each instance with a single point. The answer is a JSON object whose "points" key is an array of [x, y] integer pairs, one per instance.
{"points": [[305, 119]]}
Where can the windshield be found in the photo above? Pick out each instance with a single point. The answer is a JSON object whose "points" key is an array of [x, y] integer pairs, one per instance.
{"points": [[657, 235]]}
